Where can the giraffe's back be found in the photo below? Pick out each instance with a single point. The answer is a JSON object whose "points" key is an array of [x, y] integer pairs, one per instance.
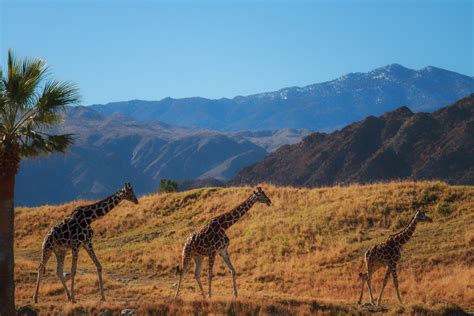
{"points": [[383, 254], [210, 239], [69, 232]]}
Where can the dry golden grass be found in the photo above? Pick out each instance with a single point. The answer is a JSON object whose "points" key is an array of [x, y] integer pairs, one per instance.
{"points": [[300, 255]]}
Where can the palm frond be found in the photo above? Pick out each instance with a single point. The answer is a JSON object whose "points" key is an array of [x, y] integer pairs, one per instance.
{"points": [[57, 94], [2, 83], [43, 119], [2, 99], [28, 108], [40, 143], [24, 78]]}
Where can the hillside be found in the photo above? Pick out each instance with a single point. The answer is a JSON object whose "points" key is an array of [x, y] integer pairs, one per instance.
{"points": [[109, 150], [319, 107], [396, 145], [271, 140], [302, 254]]}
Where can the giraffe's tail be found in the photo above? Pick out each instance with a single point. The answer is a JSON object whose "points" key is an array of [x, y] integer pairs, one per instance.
{"points": [[177, 270], [363, 276]]}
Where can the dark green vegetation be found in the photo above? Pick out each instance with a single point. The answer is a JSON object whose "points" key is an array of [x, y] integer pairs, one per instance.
{"points": [[168, 185]]}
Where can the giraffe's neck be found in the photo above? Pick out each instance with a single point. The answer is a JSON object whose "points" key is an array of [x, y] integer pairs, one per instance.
{"points": [[404, 236], [228, 219], [101, 208]]}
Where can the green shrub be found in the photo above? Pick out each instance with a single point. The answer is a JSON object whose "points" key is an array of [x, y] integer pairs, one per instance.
{"points": [[429, 196], [444, 208], [168, 185]]}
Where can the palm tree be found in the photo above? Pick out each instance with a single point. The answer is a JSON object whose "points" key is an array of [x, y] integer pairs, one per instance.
{"points": [[30, 104]]}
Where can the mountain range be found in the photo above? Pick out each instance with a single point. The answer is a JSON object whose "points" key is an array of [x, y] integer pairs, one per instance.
{"points": [[319, 107], [109, 150], [198, 141], [397, 145]]}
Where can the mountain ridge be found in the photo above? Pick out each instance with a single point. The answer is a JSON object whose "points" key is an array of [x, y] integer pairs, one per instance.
{"points": [[111, 149], [147, 149], [397, 145], [322, 106]]}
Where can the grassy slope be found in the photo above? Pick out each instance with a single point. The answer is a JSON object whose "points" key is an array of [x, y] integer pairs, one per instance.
{"points": [[306, 248]]}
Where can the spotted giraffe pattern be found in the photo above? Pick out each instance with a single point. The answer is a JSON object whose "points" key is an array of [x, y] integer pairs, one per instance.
{"points": [[211, 240], [75, 231], [387, 254]]}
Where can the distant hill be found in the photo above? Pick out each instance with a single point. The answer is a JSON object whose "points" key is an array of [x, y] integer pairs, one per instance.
{"points": [[399, 144], [271, 140], [110, 150], [191, 184], [318, 107]]}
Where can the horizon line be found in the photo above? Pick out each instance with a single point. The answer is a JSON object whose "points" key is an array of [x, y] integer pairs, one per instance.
{"points": [[281, 89]]}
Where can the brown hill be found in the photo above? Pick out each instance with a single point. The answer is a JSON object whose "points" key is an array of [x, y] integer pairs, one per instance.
{"points": [[397, 145]]}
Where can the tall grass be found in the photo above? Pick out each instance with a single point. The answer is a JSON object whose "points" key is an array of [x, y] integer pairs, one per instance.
{"points": [[307, 246]]}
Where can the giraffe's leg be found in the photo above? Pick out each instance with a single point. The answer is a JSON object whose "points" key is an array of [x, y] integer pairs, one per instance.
{"points": [[60, 255], [226, 258], [91, 253], [393, 269], [197, 273], [75, 253], [387, 274], [212, 258], [184, 267], [41, 270], [363, 279], [369, 279]]}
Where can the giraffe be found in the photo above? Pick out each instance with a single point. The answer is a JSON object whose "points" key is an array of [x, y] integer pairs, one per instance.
{"points": [[211, 240], [76, 231], [387, 254]]}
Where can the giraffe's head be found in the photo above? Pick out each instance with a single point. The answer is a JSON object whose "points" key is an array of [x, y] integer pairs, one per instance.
{"points": [[262, 197], [128, 193], [420, 216]]}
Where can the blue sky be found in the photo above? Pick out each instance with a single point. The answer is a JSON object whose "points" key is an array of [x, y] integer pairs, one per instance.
{"points": [[122, 50]]}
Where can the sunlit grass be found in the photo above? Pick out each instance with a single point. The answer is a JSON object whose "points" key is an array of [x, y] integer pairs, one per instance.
{"points": [[307, 247]]}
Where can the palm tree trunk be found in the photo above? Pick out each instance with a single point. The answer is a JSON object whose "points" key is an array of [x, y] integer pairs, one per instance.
{"points": [[7, 283]]}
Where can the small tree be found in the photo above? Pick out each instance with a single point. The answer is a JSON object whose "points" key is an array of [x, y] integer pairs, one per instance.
{"points": [[29, 107], [168, 185]]}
